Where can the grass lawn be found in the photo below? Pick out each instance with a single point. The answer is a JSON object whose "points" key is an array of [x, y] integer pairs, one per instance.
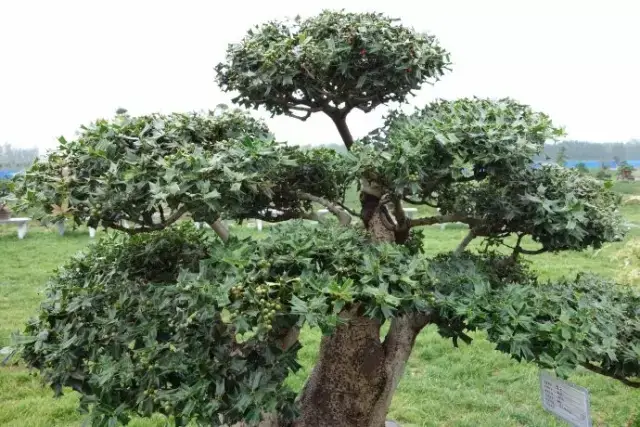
{"points": [[469, 386]]}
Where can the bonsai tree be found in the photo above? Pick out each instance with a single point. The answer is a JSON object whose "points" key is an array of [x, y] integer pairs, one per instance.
{"points": [[202, 328], [582, 168], [625, 171]]}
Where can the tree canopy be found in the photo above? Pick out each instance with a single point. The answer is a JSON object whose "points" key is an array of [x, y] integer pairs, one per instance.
{"points": [[168, 319], [152, 170]]}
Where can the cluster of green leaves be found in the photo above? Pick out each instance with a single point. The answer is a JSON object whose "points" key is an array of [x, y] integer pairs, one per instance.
{"points": [[559, 208], [175, 323], [149, 170], [588, 321], [329, 61], [472, 159], [171, 322], [6, 188], [420, 155], [108, 172], [120, 327]]}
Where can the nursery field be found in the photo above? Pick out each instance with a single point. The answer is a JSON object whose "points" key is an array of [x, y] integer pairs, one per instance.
{"points": [[442, 386]]}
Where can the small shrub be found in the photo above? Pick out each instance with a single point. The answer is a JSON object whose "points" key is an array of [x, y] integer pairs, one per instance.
{"points": [[604, 174], [582, 168]]}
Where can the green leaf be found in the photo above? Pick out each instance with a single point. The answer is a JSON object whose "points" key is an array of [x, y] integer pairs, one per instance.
{"points": [[214, 194], [173, 188]]}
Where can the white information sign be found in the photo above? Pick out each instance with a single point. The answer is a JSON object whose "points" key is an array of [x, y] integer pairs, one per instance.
{"points": [[565, 400]]}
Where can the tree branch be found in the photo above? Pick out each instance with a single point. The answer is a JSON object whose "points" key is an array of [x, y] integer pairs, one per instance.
{"points": [[599, 370], [343, 130], [441, 219], [517, 249], [343, 216], [130, 231], [295, 116], [398, 344], [465, 242], [220, 229], [398, 212], [348, 209], [536, 252], [386, 218], [418, 202], [176, 215]]}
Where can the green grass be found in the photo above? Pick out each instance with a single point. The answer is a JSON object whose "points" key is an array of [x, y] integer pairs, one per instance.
{"points": [[443, 386]]}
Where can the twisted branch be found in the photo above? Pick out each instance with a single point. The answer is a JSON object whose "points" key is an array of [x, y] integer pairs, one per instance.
{"points": [[343, 217], [144, 228], [442, 219]]}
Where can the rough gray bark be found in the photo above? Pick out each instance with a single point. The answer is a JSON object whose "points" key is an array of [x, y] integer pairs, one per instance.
{"points": [[353, 383], [348, 378]]}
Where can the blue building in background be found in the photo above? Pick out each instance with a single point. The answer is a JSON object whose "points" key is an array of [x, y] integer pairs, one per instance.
{"points": [[594, 164], [8, 173]]}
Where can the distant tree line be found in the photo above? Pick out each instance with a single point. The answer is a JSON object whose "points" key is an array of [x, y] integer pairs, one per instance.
{"points": [[13, 158], [577, 150], [594, 151]]}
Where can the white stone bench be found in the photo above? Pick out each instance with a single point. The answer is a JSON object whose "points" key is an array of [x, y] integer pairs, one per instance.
{"points": [[409, 212], [61, 227], [274, 213], [22, 224]]}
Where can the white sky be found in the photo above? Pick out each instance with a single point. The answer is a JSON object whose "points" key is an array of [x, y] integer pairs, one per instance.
{"points": [[64, 62]]}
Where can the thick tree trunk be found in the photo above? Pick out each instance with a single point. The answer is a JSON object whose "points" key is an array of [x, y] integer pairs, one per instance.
{"points": [[355, 378], [348, 379], [357, 373]]}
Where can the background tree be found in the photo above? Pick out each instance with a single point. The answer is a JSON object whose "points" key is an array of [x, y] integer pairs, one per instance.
{"points": [[625, 171], [582, 168], [604, 173], [208, 330], [561, 157]]}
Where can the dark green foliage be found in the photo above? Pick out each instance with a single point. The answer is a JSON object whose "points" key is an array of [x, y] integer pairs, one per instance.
{"points": [[604, 174], [332, 61], [582, 168], [126, 168], [559, 208], [151, 170], [559, 326], [453, 141], [124, 331], [6, 188], [172, 322]]}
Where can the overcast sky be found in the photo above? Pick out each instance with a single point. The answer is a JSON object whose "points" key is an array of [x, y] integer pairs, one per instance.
{"points": [[64, 62]]}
